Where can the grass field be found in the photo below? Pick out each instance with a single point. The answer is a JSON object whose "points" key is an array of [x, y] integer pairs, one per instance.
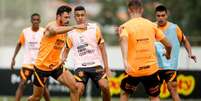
{"points": [[11, 98]]}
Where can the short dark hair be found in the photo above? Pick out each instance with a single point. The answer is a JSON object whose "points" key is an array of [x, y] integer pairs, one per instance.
{"points": [[135, 3], [34, 14], [161, 8], [63, 9], [79, 8]]}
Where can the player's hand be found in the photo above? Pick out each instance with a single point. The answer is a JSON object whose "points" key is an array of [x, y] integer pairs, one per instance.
{"points": [[108, 72], [193, 57], [126, 65], [167, 56], [81, 26], [12, 64], [118, 31]]}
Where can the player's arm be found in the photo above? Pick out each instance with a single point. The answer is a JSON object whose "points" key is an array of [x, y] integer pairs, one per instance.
{"points": [[104, 58], [17, 48], [123, 38], [65, 54], [189, 49], [101, 44], [67, 48], [104, 55], [52, 29], [161, 37], [182, 38], [168, 47]]}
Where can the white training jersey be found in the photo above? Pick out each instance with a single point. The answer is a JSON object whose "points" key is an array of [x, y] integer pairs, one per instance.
{"points": [[31, 45], [85, 49]]}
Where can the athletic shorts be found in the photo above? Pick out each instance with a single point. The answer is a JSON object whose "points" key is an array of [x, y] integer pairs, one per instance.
{"points": [[151, 84], [167, 75], [41, 77], [25, 73], [95, 73]]}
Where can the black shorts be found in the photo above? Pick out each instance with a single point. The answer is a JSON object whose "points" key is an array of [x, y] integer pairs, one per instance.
{"points": [[95, 73], [167, 75], [25, 73], [41, 77], [151, 84]]}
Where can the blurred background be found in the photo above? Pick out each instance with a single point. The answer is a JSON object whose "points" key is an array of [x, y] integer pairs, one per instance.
{"points": [[15, 16]]}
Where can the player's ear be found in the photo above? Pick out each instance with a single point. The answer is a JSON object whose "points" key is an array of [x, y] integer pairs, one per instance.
{"points": [[58, 16], [129, 10], [168, 12], [141, 10]]}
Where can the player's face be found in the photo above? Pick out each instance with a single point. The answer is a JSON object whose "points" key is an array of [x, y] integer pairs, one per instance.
{"points": [[161, 17], [35, 21], [80, 16], [64, 18]]}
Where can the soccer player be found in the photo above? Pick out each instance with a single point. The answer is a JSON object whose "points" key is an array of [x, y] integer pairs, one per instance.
{"points": [[137, 37], [89, 53], [30, 39], [176, 37], [48, 62]]}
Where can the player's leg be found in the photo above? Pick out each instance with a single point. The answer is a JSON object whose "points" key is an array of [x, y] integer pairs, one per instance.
{"points": [[40, 78], [24, 75], [124, 96], [67, 79], [20, 90], [37, 93], [98, 75], [81, 88], [82, 79], [128, 86], [104, 85], [161, 76], [46, 94], [154, 98], [152, 86], [172, 85]]}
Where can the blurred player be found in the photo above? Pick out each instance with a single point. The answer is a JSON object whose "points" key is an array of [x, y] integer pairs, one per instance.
{"points": [[176, 37], [89, 53], [48, 62], [137, 37], [30, 39]]}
